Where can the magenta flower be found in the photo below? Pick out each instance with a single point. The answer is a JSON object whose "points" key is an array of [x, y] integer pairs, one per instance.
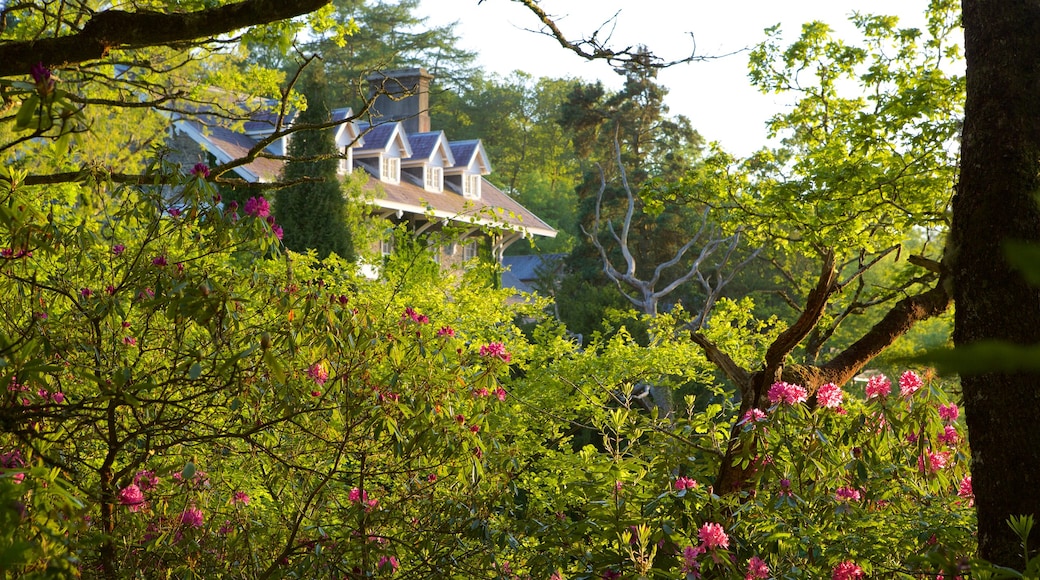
{"points": [[446, 331], [753, 416], [495, 350], [964, 490], [949, 436], [159, 261], [192, 517], [277, 231], [878, 386], [58, 397], [785, 488], [118, 249], [500, 393], [829, 396], [317, 373], [86, 292], [684, 483], [481, 392], [388, 562], [932, 461], [240, 497], [201, 170], [847, 570], [713, 536], [43, 78], [847, 494], [949, 412], [131, 497], [787, 394], [756, 569], [146, 480], [257, 207], [909, 382]]}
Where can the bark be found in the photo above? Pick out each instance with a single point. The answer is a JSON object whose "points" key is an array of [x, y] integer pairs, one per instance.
{"points": [[118, 29], [997, 201]]}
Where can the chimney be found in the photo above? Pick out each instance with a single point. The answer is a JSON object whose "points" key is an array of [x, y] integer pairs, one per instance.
{"points": [[401, 95]]}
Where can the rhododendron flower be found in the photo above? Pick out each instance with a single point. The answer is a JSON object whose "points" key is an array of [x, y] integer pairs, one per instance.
{"points": [[949, 436], [847, 570], [118, 249], [846, 494], [159, 261], [86, 292], [909, 382], [257, 207], [495, 349], [787, 394], [500, 393], [446, 331], [684, 483], [146, 480], [949, 412], [785, 488], [131, 497], [753, 416], [690, 564], [713, 536], [756, 569], [201, 170], [192, 517], [878, 386], [481, 392], [964, 490], [932, 461], [277, 231], [58, 397], [240, 497], [389, 562], [829, 396], [317, 373]]}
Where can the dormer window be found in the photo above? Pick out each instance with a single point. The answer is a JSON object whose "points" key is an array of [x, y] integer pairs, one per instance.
{"points": [[471, 186], [434, 179], [390, 171]]}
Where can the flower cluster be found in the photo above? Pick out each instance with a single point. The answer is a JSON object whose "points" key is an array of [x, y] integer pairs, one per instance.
{"points": [[932, 461], [684, 483], [878, 386], [949, 413], [753, 416], [317, 373], [132, 497], [847, 570], [192, 517], [829, 396], [495, 350], [964, 490], [787, 394], [713, 536], [360, 497], [257, 207], [909, 382], [410, 313], [847, 494], [756, 569], [201, 170]]}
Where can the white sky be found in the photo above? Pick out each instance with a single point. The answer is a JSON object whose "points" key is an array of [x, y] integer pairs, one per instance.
{"points": [[715, 95]]}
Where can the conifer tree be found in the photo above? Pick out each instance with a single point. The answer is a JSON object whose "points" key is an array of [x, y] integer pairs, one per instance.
{"points": [[313, 214]]}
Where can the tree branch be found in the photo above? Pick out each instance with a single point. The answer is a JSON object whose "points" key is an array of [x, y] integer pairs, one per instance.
{"points": [[118, 30]]}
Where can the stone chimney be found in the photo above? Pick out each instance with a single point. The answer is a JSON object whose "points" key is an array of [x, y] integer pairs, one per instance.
{"points": [[401, 95]]}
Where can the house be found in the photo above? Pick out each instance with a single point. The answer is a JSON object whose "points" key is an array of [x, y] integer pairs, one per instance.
{"points": [[415, 175]]}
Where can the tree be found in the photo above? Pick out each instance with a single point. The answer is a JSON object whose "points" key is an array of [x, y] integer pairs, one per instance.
{"points": [[313, 214], [996, 204]]}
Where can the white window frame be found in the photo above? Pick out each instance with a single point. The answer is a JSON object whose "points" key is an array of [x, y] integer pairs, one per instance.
{"points": [[470, 251], [390, 169], [433, 178], [471, 186], [346, 164], [386, 246]]}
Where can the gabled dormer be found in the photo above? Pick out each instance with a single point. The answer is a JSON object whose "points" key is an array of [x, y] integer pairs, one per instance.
{"points": [[262, 124], [471, 164], [348, 137], [385, 145], [431, 155]]}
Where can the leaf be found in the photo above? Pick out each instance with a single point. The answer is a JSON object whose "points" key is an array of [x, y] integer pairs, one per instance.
{"points": [[189, 471], [23, 120], [195, 371]]}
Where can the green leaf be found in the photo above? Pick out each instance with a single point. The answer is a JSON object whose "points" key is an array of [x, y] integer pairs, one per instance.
{"points": [[23, 120], [195, 371]]}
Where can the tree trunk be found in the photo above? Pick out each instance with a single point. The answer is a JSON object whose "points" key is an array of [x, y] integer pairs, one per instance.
{"points": [[997, 201]]}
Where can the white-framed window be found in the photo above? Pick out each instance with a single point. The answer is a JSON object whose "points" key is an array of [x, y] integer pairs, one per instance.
{"points": [[390, 171], [386, 246], [346, 163], [435, 251], [434, 178], [470, 250], [471, 186]]}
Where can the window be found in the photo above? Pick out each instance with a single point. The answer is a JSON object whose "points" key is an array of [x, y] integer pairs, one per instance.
{"points": [[386, 246], [469, 251], [434, 179], [390, 171], [471, 186]]}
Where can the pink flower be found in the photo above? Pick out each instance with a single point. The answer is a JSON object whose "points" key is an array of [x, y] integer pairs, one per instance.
{"points": [[317, 373], [159, 261], [787, 394], [446, 331], [118, 249], [753, 416], [388, 562], [86, 292], [949, 436], [909, 382], [500, 393], [277, 231], [931, 461], [949, 412], [240, 497], [481, 392], [417, 318], [201, 170], [690, 564], [829, 396], [847, 494], [756, 569], [495, 349], [847, 570], [964, 490], [131, 497], [58, 397], [192, 516], [146, 480], [257, 207], [129, 340], [684, 483], [713, 536], [785, 488], [878, 386]]}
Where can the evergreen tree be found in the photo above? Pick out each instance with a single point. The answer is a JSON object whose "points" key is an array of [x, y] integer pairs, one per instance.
{"points": [[313, 214]]}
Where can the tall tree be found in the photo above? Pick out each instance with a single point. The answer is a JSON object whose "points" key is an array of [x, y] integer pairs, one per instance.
{"points": [[997, 203], [313, 213]]}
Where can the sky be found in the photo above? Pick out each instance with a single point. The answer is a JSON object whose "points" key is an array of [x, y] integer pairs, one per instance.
{"points": [[715, 94]]}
